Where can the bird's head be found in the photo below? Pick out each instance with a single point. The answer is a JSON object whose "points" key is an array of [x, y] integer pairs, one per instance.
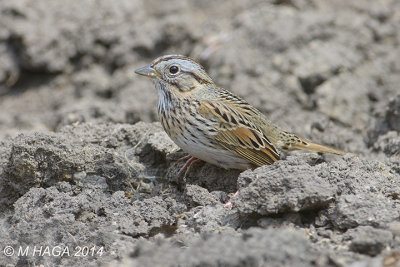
{"points": [[177, 74]]}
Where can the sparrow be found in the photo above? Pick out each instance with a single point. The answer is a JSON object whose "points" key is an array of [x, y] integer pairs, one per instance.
{"points": [[214, 125]]}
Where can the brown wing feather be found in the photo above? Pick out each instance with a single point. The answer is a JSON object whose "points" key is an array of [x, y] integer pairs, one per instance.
{"points": [[238, 135], [257, 157]]}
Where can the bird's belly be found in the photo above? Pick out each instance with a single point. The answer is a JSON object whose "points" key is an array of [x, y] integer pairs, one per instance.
{"points": [[196, 139], [216, 156]]}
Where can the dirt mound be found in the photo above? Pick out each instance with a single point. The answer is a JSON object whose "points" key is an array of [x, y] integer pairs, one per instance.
{"points": [[86, 167]]}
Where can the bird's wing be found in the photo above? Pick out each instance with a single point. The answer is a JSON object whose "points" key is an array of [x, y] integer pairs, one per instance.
{"points": [[237, 132]]}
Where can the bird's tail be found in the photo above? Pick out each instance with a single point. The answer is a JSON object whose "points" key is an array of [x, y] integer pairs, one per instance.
{"points": [[299, 143], [321, 148]]}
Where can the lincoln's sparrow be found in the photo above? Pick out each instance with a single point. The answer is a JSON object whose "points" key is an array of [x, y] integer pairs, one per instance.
{"points": [[212, 124]]}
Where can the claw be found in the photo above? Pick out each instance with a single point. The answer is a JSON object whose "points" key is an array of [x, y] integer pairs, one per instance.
{"points": [[228, 205]]}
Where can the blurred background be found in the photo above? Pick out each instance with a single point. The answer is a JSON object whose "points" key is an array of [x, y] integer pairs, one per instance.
{"points": [[312, 66]]}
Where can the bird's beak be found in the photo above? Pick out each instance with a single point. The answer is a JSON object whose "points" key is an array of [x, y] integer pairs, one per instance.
{"points": [[148, 71]]}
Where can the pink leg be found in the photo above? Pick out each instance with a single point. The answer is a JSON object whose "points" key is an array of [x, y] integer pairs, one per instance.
{"points": [[187, 157], [188, 164], [228, 204]]}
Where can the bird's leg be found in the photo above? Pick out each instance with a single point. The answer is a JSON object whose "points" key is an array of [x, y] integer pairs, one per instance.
{"points": [[185, 157], [184, 170], [190, 161], [228, 204]]}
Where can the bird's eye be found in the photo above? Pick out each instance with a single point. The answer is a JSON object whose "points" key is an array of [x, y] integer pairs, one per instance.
{"points": [[173, 69]]}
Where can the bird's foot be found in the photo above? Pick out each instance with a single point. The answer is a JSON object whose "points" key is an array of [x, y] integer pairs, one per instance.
{"points": [[229, 204]]}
